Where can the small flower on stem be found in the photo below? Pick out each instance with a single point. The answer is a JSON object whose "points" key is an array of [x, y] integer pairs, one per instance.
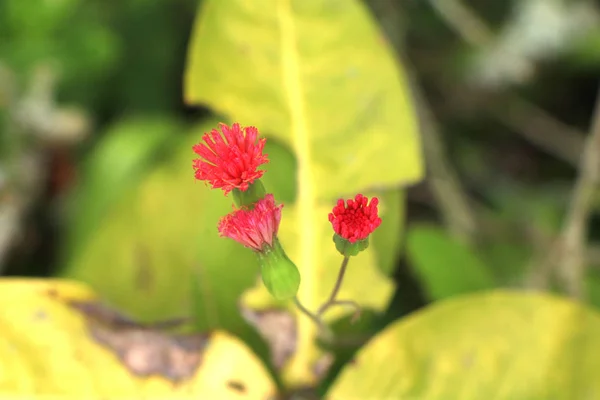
{"points": [[256, 227], [229, 161], [353, 223]]}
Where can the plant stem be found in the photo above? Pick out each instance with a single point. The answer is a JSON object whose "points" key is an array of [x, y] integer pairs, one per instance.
{"points": [[324, 330], [332, 298]]}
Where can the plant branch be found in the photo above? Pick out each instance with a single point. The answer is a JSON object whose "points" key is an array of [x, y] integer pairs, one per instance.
{"points": [[465, 22], [324, 330], [540, 128], [445, 186], [571, 263], [534, 124], [331, 301], [337, 287]]}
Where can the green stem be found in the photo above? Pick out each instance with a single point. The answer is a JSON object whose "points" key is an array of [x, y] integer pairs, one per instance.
{"points": [[324, 330], [332, 298]]}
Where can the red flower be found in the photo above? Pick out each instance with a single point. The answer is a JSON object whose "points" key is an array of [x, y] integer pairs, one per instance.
{"points": [[357, 220], [254, 228], [231, 163]]}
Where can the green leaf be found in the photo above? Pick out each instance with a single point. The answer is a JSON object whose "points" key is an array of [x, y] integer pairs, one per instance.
{"points": [[500, 344], [386, 240], [592, 284], [83, 53], [156, 252], [282, 172], [319, 77], [127, 150], [444, 266]]}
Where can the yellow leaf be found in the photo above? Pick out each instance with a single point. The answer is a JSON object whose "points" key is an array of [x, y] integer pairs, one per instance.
{"points": [[57, 340], [500, 345], [319, 77]]}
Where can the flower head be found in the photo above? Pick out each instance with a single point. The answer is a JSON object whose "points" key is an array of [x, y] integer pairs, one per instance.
{"points": [[231, 162], [356, 220], [255, 228]]}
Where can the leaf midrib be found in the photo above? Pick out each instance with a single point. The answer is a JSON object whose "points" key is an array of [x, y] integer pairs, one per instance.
{"points": [[298, 371]]}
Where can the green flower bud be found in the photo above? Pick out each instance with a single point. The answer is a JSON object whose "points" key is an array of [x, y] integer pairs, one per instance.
{"points": [[346, 248], [279, 274]]}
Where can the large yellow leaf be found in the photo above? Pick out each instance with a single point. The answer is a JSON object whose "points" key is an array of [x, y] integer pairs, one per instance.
{"points": [[57, 340], [318, 76], [493, 345]]}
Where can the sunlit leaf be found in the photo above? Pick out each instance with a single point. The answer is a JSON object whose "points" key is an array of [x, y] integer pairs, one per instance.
{"points": [[320, 78], [53, 342], [501, 345]]}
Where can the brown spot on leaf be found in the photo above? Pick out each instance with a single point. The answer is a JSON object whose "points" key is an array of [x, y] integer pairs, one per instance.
{"points": [[322, 365], [278, 328], [144, 277], [237, 386], [40, 315], [108, 316], [144, 352], [144, 349], [468, 360]]}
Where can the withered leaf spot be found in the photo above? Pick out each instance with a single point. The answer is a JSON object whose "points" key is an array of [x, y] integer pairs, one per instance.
{"points": [[145, 352], [237, 386], [40, 315], [322, 365], [278, 328], [144, 349], [108, 316], [144, 277]]}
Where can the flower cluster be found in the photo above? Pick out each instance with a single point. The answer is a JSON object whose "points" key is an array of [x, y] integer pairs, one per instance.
{"points": [[229, 160]]}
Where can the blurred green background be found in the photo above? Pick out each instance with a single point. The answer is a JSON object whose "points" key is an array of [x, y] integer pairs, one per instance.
{"points": [[96, 181]]}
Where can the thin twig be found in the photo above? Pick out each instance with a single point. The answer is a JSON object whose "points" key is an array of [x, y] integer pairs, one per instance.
{"points": [[530, 121], [540, 128], [332, 297], [324, 330], [571, 265], [445, 186], [454, 205], [465, 22], [336, 288]]}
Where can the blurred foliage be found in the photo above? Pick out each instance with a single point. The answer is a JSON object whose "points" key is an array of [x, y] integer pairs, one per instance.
{"points": [[96, 186], [445, 267], [70, 34]]}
